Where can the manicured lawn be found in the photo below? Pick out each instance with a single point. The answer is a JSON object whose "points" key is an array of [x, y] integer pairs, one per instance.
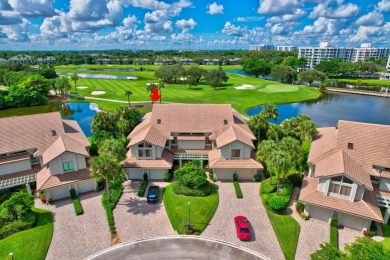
{"points": [[264, 91], [386, 235], [287, 231], [32, 243], [202, 209]]}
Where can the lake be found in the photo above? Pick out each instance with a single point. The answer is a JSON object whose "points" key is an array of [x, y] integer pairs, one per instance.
{"points": [[97, 76], [242, 73], [336, 106]]}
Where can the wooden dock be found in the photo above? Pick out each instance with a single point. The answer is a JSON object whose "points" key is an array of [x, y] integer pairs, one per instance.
{"points": [[359, 92]]}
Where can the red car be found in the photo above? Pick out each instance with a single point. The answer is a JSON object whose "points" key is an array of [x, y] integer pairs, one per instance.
{"points": [[242, 228]]}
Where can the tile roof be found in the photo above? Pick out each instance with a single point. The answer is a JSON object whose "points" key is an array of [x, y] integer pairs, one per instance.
{"points": [[216, 162], [14, 158], [366, 208], [63, 144], [46, 181], [165, 162], [151, 135], [234, 133]]}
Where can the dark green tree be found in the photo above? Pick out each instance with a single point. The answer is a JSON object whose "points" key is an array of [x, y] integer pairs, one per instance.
{"points": [[286, 74], [216, 78], [311, 75], [256, 67]]}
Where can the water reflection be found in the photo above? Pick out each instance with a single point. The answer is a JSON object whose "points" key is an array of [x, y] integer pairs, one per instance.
{"points": [[97, 76]]}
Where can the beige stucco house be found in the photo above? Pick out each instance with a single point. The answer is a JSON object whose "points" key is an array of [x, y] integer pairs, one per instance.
{"points": [[45, 149], [349, 174], [210, 133]]}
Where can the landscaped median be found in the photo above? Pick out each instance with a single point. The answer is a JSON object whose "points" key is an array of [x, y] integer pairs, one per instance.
{"points": [[109, 206], [76, 203]]}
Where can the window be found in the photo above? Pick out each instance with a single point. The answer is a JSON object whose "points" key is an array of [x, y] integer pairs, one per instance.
{"points": [[340, 185], [34, 159], [68, 166], [144, 151], [236, 153]]}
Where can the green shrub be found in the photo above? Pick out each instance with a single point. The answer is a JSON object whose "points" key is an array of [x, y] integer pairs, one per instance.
{"points": [[4, 195], [334, 222], [26, 222], [285, 188], [167, 177], [265, 198], [191, 176], [334, 237], [300, 207], [278, 203], [257, 177], [303, 216], [72, 193], [110, 206], [296, 179], [99, 186], [213, 179], [267, 188], [145, 176], [142, 188], [237, 189], [196, 162], [235, 177], [183, 190], [77, 206]]}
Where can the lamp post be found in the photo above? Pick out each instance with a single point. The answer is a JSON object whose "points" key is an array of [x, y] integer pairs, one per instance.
{"points": [[11, 255], [189, 214]]}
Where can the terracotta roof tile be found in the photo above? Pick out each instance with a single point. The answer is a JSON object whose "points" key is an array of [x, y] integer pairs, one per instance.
{"points": [[366, 208], [15, 158], [165, 162], [46, 181], [234, 133], [150, 135], [216, 162]]}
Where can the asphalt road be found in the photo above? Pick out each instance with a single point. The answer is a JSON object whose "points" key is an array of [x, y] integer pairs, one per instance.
{"points": [[176, 247]]}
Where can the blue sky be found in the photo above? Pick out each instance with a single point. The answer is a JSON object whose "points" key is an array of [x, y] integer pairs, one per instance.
{"points": [[194, 24]]}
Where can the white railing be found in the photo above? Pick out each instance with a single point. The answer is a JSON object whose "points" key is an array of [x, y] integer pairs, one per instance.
{"points": [[383, 201], [191, 156], [16, 181]]}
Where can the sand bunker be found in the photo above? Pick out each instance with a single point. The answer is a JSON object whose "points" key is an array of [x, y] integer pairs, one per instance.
{"points": [[245, 86], [98, 93], [82, 87]]}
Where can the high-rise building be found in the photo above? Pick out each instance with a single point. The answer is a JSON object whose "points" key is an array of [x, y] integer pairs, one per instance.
{"points": [[325, 51], [264, 47], [387, 75]]}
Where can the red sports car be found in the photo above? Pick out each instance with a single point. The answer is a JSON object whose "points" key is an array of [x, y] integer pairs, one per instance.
{"points": [[242, 228]]}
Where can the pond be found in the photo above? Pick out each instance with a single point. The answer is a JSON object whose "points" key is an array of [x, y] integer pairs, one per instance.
{"points": [[336, 106], [98, 76], [242, 73], [110, 69], [79, 111]]}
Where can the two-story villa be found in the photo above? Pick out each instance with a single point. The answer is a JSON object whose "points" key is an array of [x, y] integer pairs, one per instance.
{"points": [[213, 133], [349, 174], [46, 149]]}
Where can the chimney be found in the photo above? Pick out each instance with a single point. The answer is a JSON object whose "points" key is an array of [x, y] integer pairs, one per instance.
{"points": [[225, 122], [350, 146], [158, 121], [53, 132]]}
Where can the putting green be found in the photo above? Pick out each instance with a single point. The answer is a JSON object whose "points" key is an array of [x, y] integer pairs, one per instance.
{"points": [[278, 88]]}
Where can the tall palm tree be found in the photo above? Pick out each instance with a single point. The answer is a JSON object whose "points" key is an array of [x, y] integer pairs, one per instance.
{"points": [[264, 150], [75, 78], [292, 147], [128, 93], [280, 163]]}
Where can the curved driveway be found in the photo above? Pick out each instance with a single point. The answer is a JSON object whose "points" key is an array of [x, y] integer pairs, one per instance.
{"points": [[177, 247]]}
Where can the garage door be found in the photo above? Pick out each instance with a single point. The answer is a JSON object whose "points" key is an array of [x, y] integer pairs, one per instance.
{"points": [[157, 174], [224, 174], [245, 174], [59, 193], [352, 221], [84, 186], [135, 174], [320, 213]]}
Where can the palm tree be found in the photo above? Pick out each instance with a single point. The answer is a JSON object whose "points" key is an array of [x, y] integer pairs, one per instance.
{"points": [[128, 93], [292, 147], [264, 150], [75, 78], [262, 119], [280, 163], [62, 84]]}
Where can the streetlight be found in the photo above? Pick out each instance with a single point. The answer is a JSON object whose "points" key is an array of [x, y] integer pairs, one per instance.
{"points": [[189, 215], [11, 255]]}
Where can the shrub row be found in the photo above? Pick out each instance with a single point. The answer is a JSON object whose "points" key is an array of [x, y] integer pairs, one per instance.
{"points": [[237, 189], [142, 188], [257, 177], [296, 179], [334, 233], [183, 190], [76, 202], [271, 200], [115, 193], [21, 224], [168, 177]]}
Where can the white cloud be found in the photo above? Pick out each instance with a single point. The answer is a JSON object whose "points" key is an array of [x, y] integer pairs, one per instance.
{"points": [[384, 6], [31, 8], [214, 8], [16, 32], [186, 24], [342, 11], [129, 21], [242, 19], [231, 29], [285, 28], [287, 17], [374, 18], [371, 34], [322, 27], [182, 38], [279, 6]]}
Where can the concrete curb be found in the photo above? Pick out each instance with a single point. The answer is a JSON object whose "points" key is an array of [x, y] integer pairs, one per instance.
{"points": [[252, 252]]}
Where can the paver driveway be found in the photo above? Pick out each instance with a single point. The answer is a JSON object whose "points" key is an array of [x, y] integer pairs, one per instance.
{"points": [[136, 219], [222, 225], [76, 237]]}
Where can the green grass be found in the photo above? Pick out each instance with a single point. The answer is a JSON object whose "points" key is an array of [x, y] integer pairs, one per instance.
{"points": [[237, 189], [334, 237], [264, 92], [18, 225], [110, 206], [142, 188], [202, 209], [368, 82], [30, 244], [77, 206], [287, 231], [386, 235]]}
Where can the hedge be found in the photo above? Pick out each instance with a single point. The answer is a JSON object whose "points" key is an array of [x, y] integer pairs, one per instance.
{"points": [[18, 225], [278, 203], [271, 200], [334, 233], [168, 177], [237, 189], [142, 188], [76, 202], [183, 190], [110, 206]]}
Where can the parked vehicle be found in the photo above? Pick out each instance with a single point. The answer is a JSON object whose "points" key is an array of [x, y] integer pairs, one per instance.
{"points": [[242, 228], [153, 192]]}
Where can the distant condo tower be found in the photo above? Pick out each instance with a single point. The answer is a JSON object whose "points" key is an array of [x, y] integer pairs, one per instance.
{"points": [[264, 47], [325, 51]]}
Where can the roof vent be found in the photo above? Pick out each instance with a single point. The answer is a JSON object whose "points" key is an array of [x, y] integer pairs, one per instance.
{"points": [[53, 132], [225, 122], [158, 121], [350, 146]]}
